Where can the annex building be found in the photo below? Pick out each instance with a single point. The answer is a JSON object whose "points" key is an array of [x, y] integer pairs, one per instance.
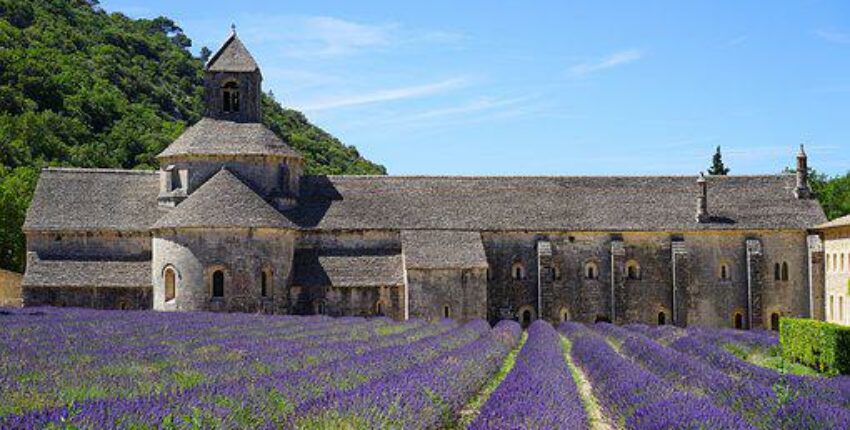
{"points": [[231, 223]]}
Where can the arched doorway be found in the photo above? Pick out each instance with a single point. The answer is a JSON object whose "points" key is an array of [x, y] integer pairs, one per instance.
{"points": [[564, 314], [739, 321], [526, 315], [602, 319], [662, 318], [774, 321]]}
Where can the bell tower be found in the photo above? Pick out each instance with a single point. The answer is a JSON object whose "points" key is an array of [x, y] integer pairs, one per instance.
{"points": [[232, 83]]}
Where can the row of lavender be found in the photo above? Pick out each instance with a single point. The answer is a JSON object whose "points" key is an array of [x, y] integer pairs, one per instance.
{"points": [[539, 392], [287, 372], [637, 398], [697, 365]]}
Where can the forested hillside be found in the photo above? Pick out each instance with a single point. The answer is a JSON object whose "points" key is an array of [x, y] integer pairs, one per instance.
{"points": [[82, 87]]}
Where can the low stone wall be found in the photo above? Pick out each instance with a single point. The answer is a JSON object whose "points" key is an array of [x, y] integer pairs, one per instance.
{"points": [[10, 289]]}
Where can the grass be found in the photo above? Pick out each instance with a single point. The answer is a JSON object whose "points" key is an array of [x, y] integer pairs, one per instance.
{"points": [[470, 411], [771, 359], [595, 418]]}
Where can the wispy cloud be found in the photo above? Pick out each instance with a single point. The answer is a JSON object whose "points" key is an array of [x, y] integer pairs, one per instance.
{"points": [[834, 36], [385, 95], [474, 106], [331, 37], [614, 60]]}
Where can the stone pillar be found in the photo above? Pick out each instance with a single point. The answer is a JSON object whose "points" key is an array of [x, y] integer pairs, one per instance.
{"points": [[618, 284], [816, 278], [545, 282], [755, 284], [681, 279]]}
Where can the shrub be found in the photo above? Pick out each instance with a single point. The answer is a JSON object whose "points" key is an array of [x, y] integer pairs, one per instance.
{"points": [[817, 344]]}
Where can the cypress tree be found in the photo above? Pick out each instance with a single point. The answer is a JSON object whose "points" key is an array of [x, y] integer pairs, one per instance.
{"points": [[717, 166]]}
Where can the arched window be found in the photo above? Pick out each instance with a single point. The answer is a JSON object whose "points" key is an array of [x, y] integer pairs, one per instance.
{"points": [[170, 284], [777, 276], [230, 97], [774, 321], [379, 308], [123, 305], [319, 307], [841, 309], [739, 321], [518, 271], [632, 270], [218, 284], [662, 318], [591, 270], [784, 271], [266, 283], [842, 263], [447, 311], [724, 272], [564, 313], [832, 308]]}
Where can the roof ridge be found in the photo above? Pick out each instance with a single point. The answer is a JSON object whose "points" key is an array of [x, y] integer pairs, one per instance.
{"points": [[471, 177], [99, 170]]}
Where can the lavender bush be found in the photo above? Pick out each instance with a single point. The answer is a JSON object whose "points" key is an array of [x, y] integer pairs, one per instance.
{"points": [[426, 396], [539, 392], [637, 398]]}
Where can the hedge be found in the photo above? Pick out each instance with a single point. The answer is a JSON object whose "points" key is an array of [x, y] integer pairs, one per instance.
{"points": [[820, 345]]}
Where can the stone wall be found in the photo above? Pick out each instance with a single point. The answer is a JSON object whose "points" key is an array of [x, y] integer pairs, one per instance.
{"points": [[703, 295], [460, 293], [93, 245], [837, 304], [270, 177], [136, 298], [10, 289], [242, 255]]}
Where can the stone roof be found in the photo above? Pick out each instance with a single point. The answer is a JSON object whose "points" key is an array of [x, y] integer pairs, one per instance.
{"points": [[78, 199], [435, 249], [360, 268], [72, 273], [838, 222], [232, 57], [94, 199], [228, 138], [223, 201], [605, 203]]}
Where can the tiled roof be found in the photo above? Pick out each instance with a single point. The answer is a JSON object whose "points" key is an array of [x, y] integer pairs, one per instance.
{"points": [[70, 273], [838, 222], [223, 201], [605, 203], [228, 138], [361, 268], [432, 249], [232, 57], [94, 199]]}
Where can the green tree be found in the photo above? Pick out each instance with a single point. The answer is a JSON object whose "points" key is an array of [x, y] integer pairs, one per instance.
{"points": [[717, 167], [84, 88]]}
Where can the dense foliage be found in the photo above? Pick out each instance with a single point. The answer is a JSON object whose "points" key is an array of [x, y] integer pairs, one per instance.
{"points": [[833, 193], [818, 344], [81, 87]]}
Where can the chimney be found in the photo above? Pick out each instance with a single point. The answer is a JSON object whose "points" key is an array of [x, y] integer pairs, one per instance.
{"points": [[702, 200], [803, 191]]}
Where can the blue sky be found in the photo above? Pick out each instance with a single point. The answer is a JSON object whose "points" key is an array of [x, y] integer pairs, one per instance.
{"points": [[551, 88]]}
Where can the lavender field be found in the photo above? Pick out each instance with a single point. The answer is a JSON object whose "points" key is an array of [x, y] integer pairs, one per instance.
{"points": [[86, 369]]}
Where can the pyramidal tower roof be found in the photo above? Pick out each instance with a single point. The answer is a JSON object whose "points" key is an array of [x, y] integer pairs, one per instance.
{"points": [[232, 57], [224, 201]]}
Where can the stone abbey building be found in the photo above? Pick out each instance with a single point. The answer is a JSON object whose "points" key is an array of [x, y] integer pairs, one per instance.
{"points": [[231, 223]]}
